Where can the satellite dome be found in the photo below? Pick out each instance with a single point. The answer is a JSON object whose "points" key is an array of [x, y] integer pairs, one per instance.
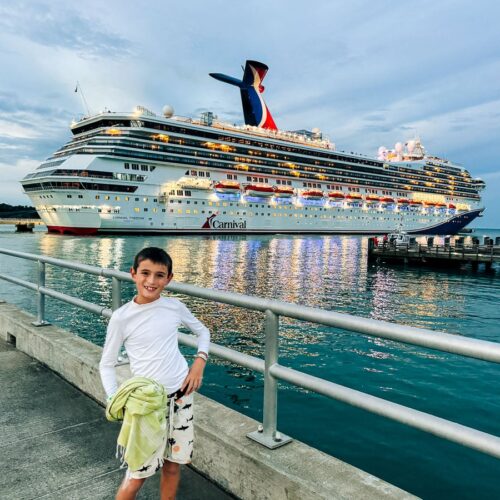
{"points": [[315, 130], [168, 111], [411, 146], [399, 147]]}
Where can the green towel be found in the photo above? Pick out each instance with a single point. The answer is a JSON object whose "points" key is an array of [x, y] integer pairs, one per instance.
{"points": [[142, 405]]}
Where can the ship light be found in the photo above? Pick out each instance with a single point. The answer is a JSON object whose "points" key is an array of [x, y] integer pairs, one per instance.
{"points": [[160, 137], [113, 131]]}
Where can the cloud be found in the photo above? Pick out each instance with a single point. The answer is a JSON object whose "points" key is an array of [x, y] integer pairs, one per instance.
{"points": [[58, 26]]}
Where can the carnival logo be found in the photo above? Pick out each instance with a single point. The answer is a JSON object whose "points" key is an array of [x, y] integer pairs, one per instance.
{"points": [[211, 223]]}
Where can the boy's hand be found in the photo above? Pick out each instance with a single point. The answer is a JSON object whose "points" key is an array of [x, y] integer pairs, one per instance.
{"points": [[195, 377]]}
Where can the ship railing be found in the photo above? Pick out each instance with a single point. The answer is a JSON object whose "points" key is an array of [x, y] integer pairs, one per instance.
{"points": [[267, 433]]}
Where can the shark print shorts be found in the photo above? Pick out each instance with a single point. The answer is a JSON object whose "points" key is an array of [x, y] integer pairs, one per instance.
{"points": [[177, 445]]}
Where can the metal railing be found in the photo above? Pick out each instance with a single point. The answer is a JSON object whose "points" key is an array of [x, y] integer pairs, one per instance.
{"points": [[267, 434]]}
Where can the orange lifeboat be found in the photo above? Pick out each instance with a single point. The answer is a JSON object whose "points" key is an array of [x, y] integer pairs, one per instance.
{"points": [[312, 195], [336, 195], [227, 187], [404, 201], [353, 196], [283, 192], [451, 206], [259, 190], [430, 203], [440, 205], [387, 199], [416, 203]]}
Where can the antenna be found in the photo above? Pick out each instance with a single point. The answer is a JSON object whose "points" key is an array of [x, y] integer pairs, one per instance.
{"points": [[79, 89]]}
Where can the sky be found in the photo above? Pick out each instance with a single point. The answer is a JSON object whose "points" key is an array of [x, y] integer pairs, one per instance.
{"points": [[366, 73]]}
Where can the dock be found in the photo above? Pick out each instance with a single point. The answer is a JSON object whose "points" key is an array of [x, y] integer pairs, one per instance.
{"points": [[56, 443], [22, 225], [435, 255]]}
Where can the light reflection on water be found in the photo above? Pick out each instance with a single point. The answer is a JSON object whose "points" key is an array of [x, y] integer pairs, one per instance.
{"points": [[330, 272]]}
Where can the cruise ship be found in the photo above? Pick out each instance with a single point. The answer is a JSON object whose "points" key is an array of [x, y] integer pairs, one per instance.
{"points": [[138, 172]]}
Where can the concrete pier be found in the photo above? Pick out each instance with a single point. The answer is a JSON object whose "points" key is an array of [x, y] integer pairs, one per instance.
{"points": [[56, 442]]}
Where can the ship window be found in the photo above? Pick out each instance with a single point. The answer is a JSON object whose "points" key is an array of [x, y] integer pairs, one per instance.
{"points": [[180, 192], [137, 209], [201, 174], [145, 200], [127, 166], [155, 210], [163, 210], [144, 168], [106, 197], [188, 193], [179, 211], [151, 168], [188, 202], [179, 201], [69, 196], [117, 198], [80, 196], [188, 211], [208, 174], [137, 199], [135, 166], [145, 209], [97, 196]]}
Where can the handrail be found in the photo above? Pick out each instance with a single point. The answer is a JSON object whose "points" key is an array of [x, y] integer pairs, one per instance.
{"points": [[272, 370]]}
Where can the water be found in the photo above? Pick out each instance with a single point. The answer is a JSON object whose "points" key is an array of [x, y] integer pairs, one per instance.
{"points": [[330, 272]]}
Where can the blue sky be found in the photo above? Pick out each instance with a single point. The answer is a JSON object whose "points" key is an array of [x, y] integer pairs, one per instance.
{"points": [[367, 73]]}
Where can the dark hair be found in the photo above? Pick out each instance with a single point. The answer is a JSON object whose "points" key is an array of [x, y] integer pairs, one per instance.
{"points": [[156, 255]]}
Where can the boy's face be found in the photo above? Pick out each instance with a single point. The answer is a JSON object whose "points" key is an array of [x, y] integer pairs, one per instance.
{"points": [[150, 280]]}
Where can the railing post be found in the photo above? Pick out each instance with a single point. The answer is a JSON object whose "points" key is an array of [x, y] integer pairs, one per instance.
{"points": [[116, 303], [267, 433], [116, 293], [40, 320]]}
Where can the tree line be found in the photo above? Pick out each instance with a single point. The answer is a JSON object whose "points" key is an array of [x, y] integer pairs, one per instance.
{"points": [[17, 211]]}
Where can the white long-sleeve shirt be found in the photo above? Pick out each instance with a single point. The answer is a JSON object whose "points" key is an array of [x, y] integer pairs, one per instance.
{"points": [[149, 334]]}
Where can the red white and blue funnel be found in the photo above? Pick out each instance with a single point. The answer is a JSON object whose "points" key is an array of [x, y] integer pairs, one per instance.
{"points": [[251, 89]]}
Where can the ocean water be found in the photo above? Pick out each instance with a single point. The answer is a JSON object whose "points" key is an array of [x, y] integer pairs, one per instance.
{"points": [[329, 272]]}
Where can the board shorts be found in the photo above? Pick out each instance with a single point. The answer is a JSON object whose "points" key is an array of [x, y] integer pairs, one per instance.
{"points": [[177, 445]]}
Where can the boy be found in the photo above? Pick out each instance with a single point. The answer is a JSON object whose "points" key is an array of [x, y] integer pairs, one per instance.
{"points": [[147, 326]]}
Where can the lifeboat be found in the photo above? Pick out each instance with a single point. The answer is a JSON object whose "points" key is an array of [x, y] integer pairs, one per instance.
{"points": [[283, 192], [387, 199], [227, 187], [415, 203], [336, 195], [353, 196], [404, 201], [259, 190], [372, 199], [430, 203], [312, 195], [440, 205], [451, 206]]}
